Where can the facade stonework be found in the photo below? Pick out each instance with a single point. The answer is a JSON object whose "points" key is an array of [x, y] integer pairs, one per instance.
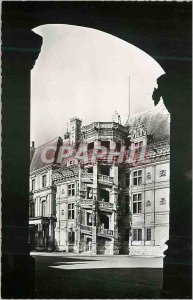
{"points": [[109, 205]]}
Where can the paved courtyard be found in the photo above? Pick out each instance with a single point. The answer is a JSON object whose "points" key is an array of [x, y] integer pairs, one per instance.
{"points": [[104, 277]]}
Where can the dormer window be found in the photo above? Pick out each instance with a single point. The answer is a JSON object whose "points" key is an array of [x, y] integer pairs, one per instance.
{"points": [[70, 163], [43, 180], [138, 144], [33, 184], [138, 136]]}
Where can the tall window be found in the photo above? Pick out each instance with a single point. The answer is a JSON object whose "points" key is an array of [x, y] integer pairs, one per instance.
{"points": [[137, 234], [89, 219], [89, 192], [71, 211], [71, 189], [43, 208], [126, 204], [137, 177], [137, 203], [32, 210], [148, 234], [43, 180], [33, 184], [127, 179], [71, 237]]}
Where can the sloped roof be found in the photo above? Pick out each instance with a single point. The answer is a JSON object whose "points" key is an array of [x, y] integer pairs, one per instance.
{"points": [[37, 162], [156, 122], [65, 173]]}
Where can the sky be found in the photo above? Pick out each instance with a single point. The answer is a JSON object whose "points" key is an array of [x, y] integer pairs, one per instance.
{"points": [[85, 73]]}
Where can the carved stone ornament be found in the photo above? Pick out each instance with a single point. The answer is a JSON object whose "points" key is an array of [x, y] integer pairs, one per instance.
{"points": [[162, 173], [163, 201], [148, 175]]}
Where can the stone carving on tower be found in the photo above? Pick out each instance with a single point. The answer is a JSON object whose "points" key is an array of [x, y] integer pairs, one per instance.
{"points": [[116, 117]]}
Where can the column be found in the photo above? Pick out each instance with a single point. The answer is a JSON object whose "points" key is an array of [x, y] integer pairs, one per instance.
{"points": [[95, 209], [175, 90], [17, 264], [114, 195]]}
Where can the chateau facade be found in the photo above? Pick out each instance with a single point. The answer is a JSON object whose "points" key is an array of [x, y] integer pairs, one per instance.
{"points": [[110, 197]]}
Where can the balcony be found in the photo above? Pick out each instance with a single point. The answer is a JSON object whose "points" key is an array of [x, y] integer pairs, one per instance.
{"points": [[87, 177], [106, 206], [86, 229], [39, 220], [101, 125], [105, 232], [86, 203], [105, 179]]}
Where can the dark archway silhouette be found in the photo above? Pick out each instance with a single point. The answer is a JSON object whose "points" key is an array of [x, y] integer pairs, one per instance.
{"points": [[161, 29]]}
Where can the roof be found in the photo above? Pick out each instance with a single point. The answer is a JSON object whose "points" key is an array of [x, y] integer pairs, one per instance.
{"points": [[156, 122], [65, 173], [37, 161]]}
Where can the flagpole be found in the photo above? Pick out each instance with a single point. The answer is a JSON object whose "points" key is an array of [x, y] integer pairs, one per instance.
{"points": [[129, 98]]}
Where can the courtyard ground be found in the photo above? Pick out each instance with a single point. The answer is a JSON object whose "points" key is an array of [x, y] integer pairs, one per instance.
{"points": [[65, 276]]}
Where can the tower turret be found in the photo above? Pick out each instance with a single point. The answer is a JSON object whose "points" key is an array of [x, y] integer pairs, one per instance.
{"points": [[75, 130]]}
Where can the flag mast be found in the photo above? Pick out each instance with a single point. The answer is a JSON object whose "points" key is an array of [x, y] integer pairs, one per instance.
{"points": [[129, 98]]}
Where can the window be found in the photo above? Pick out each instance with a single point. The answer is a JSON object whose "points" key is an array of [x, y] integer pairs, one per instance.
{"points": [[32, 210], [71, 190], [43, 208], [126, 204], [137, 234], [71, 211], [70, 163], [89, 193], [148, 234], [43, 180], [137, 177], [127, 179], [89, 219], [104, 195], [71, 237], [33, 184], [138, 144], [137, 203]]}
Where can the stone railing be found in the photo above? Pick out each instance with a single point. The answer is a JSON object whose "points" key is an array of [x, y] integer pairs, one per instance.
{"points": [[105, 232], [86, 202], [87, 175], [86, 228], [105, 205], [105, 178], [101, 125]]}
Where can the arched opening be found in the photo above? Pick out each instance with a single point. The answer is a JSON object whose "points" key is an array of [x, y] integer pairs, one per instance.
{"points": [[101, 79]]}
